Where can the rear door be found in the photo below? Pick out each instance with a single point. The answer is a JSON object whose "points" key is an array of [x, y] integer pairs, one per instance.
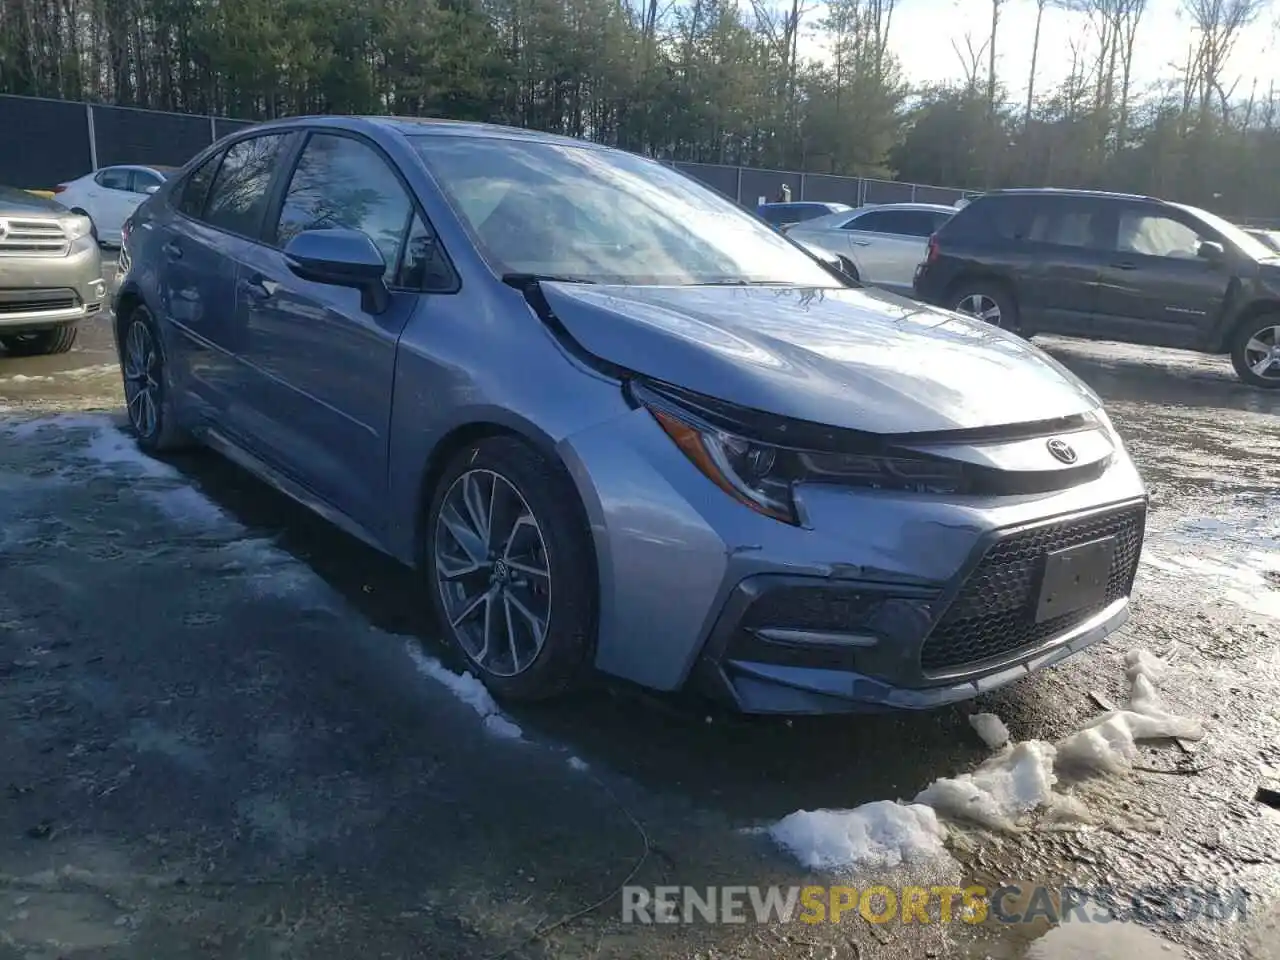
{"points": [[887, 244], [1155, 287], [323, 368], [216, 222]]}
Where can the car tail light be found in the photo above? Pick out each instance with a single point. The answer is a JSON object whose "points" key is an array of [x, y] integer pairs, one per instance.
{"points": [[934, 250], [59, 188]]}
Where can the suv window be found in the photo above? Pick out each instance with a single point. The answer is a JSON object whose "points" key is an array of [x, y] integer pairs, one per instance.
{"points": [[113, 178], [238, 198], [192, 193], [341, 182], [906, 223], [1154, 234]]}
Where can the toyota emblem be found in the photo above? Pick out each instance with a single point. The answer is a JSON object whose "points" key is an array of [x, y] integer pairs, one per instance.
{"points": [[1062, 451]]}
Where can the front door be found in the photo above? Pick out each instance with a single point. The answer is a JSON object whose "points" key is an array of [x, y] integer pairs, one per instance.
{"points": [[1155, 287], [323, 366]]}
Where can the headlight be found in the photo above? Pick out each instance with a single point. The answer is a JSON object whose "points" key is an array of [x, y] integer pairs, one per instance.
{"points": [[77, 227], [762, 475]]}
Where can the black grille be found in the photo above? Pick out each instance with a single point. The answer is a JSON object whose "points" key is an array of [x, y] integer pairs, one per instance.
{"points": [[994, 613], [33, 301], [802, 608]]}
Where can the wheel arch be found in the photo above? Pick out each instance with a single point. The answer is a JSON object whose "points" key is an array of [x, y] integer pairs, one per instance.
{"points": [[975, 275], [1249, 312]]}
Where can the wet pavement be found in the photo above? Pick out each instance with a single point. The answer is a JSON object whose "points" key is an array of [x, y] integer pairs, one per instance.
{"points": [[224, 738]]}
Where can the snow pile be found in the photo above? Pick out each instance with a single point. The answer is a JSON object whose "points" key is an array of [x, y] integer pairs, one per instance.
{"points": [[1001, 791], [990, 728], [879, 834], [467, 689], [1001, 794]]}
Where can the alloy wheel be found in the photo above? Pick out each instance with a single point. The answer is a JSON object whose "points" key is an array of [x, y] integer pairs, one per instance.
{"points": [[1262, 352], [493, 573], [981, 306], [142, 379]]}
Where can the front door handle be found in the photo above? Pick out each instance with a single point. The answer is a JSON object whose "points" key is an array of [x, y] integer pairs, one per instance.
{"points": [[861, 243], [259, 287], [1125, 265], [172, 250]]}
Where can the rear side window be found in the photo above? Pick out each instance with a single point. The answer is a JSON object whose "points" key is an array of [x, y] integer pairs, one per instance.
{"points": [[193, 192], [904, 223], [238, 198], [114, 179]]}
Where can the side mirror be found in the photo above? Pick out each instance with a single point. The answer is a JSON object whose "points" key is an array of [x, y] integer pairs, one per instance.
{"points": [[342, 258], [1211, 251], [151, 188]]}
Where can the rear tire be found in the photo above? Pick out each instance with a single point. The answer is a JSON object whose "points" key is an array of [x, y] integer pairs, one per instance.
{"points": [[1252, 344], [508, 548], [987, 301], [39, 343], [148, 384]]}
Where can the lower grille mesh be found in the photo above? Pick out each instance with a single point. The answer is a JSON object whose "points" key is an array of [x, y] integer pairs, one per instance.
{"points": [[994, 613]]}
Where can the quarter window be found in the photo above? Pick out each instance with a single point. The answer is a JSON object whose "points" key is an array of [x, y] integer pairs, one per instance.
{"points": [[341, 182], [193, 192], [142, 179], [238, 198]]}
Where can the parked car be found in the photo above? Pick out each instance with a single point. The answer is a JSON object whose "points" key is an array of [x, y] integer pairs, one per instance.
{"points": [[50, 274], [1269, 238], [885, 242], [616, 421], [108, 196], [1112, 267], [784, 214]]}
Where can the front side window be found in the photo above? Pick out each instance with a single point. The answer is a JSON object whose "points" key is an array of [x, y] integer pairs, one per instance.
{"points": [[1154, 235], [579, 212], [342, 182], [142, 179], [238, 198]]}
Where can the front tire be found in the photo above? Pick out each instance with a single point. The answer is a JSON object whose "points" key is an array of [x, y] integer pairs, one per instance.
{"points": [[1255, 351], [148, 386], [40, 343], [990, 302], [511, 569]]}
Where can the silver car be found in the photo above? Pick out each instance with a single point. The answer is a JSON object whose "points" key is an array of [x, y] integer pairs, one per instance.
{"points": [[885, 243], [50, 274], [619, 424]]}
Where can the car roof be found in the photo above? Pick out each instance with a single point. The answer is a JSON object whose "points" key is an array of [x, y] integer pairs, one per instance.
{"points": [[926, 207], [420, 126], [1064, 192]]}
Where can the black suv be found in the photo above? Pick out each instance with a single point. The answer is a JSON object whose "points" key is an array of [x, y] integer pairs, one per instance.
{"points": [[1111, 267]]}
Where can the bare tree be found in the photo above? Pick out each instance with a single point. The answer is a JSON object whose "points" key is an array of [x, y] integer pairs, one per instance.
{"points": [[991, 56], [1031, 75], [1217, 24], [970, 60]]}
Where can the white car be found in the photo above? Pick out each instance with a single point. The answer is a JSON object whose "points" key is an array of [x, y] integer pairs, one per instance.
{"points": [[109, 196], [885, 243]]}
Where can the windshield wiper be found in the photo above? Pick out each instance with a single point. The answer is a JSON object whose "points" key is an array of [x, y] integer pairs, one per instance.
{"points": [[522, 280]]}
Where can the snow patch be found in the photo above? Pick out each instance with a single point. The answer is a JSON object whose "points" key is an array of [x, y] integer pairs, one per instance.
{"points": [[466, 688], [110, 446], [578, 764], [188, 505], [1001, 794], [878, 834], [990, 728], [24, 429]]}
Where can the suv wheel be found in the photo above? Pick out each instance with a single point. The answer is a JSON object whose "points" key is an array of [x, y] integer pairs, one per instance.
{"points": [[39, 343], [511, 570], [1255, 351], [986, 301]]}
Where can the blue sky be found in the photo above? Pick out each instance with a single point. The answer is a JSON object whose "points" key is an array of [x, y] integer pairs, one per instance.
{"points": [[923, 29]]}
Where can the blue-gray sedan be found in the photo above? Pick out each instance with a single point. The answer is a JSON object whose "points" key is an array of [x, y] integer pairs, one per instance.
{"points": [[619, 424]]}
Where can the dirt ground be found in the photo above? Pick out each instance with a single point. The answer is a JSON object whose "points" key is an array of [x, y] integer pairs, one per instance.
{"points": [[228, 731]]}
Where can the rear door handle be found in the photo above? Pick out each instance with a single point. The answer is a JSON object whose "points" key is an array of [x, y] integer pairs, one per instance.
{"points": [[173, 250], [1125, 265], [259, 288]]}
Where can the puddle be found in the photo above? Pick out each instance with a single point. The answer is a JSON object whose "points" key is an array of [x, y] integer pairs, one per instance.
{"points": [[1109, 941]]}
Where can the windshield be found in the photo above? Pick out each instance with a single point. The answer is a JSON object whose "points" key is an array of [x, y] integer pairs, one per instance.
{"points": [[1249, 246], [560, 210]]}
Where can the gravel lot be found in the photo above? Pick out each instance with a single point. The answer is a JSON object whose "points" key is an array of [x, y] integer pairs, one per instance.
{"points": [[225, 739]]}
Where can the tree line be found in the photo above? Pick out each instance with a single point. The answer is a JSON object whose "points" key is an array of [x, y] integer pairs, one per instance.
{"points": [[716, 81]]}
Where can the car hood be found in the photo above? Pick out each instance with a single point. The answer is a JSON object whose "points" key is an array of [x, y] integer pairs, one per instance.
{"points": [[17, 203], [853, 358]]}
